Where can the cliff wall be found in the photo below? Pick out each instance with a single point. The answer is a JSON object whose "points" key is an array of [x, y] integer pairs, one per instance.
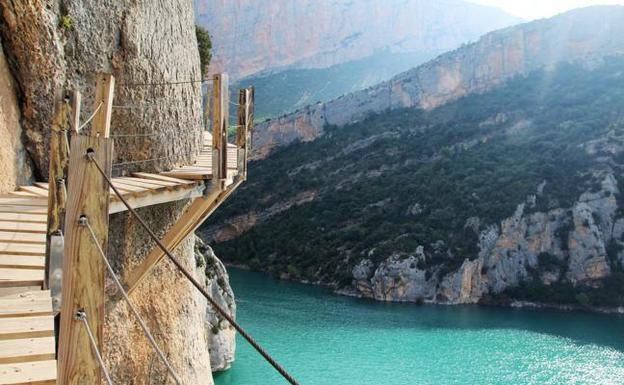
{"points": [[255, 36], [582, 35]]}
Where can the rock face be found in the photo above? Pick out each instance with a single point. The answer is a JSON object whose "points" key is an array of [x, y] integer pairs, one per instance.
{"points": [[561, 241], [221, 335], [251, 36], [495, 58], [15, 167], [137, 43], [51, 44]]}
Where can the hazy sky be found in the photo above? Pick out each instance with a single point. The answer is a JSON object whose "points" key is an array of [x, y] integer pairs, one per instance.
{"points": [[535, 9]]}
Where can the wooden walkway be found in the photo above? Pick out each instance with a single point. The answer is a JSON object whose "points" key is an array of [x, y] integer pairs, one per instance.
{"points": [[27, 351]]}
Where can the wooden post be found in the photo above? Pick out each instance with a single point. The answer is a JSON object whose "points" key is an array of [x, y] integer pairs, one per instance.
{"points": [[103, 104], [245, 122], [57, 173], [220, 122], [83, 270]]}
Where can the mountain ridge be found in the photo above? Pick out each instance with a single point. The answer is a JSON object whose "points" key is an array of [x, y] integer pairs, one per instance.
{"points": [[497, 56]]}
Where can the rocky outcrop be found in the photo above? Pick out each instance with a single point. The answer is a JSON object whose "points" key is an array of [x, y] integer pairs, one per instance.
{"points": [[477, 67], [15, 166], [221, 335], [250, 36], [568, 244]]}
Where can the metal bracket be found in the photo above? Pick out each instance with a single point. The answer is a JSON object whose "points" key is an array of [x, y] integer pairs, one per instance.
{"points": [[57, 245]]}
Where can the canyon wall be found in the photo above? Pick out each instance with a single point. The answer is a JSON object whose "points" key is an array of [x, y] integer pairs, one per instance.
{"points": [[579, 35], [255, 36], [52, 44]]}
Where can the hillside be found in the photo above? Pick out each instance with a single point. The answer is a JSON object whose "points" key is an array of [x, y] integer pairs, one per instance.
{"points": [[286, 91], [582, 34], [250, 37], [512, 193]]}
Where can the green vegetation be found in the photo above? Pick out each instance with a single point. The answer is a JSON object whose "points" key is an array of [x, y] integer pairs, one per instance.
{"points": [[204, 45], [285, 91], [66, 22], [477, 157]]}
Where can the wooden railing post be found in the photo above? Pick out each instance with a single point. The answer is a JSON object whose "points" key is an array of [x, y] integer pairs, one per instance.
{"points": [[57, 174], [243, 131], [83, 269], [103, 104], [220, 123]]}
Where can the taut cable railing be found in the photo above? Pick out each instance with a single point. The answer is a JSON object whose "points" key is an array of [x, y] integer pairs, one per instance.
{"points": [[91, 156], [82, 316], [85, 222]]}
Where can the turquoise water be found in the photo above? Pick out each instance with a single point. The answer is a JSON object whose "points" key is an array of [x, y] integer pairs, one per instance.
{"points": [[324, 339]]}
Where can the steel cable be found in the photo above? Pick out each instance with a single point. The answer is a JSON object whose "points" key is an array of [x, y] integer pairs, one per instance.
{"points": [[82, 316], [198, 286], [85, 221]]}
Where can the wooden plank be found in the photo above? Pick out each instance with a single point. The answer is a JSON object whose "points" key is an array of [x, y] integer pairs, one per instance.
{"points": [[22, 261], [27, 295], [123, 186], [26, 305], [23, 201], [22, 209], [148, 183], [26, 218], [20, 277], [26, 327], [22, 194], [24, 227], [188, 175], [15, 237], [28, 373], [22, 248], [35, 190], [146, 175], [192, 218], [103, 103], [83, 270], [27, 350]]}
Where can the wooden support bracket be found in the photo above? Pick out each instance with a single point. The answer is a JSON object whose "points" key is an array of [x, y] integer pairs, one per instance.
{"points": [[192, 218]]}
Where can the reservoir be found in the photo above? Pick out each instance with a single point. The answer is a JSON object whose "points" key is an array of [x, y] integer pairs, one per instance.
{"points": [[326, 339]]}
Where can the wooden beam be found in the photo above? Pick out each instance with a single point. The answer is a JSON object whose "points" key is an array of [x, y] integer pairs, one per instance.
{"points": [[103, 104], [220, 123], [192, 218], [83, 272]]}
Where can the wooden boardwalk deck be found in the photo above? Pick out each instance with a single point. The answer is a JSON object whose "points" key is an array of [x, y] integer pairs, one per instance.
{"points": [[27, 350]]}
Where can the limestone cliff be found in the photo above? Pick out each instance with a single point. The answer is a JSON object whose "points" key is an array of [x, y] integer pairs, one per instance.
{"points": [[579, 35], [561, 243], [255, 36], [221, 335], [52, 44], [15, 168]]}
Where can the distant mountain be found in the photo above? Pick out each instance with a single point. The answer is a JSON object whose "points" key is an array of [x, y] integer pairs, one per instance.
{"points": [[286, 91], [491, 174], [300, 52], [579, 35], [251, 36]]}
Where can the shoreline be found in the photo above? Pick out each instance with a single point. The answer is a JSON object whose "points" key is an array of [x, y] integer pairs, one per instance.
{"points": [[514, 304]]}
